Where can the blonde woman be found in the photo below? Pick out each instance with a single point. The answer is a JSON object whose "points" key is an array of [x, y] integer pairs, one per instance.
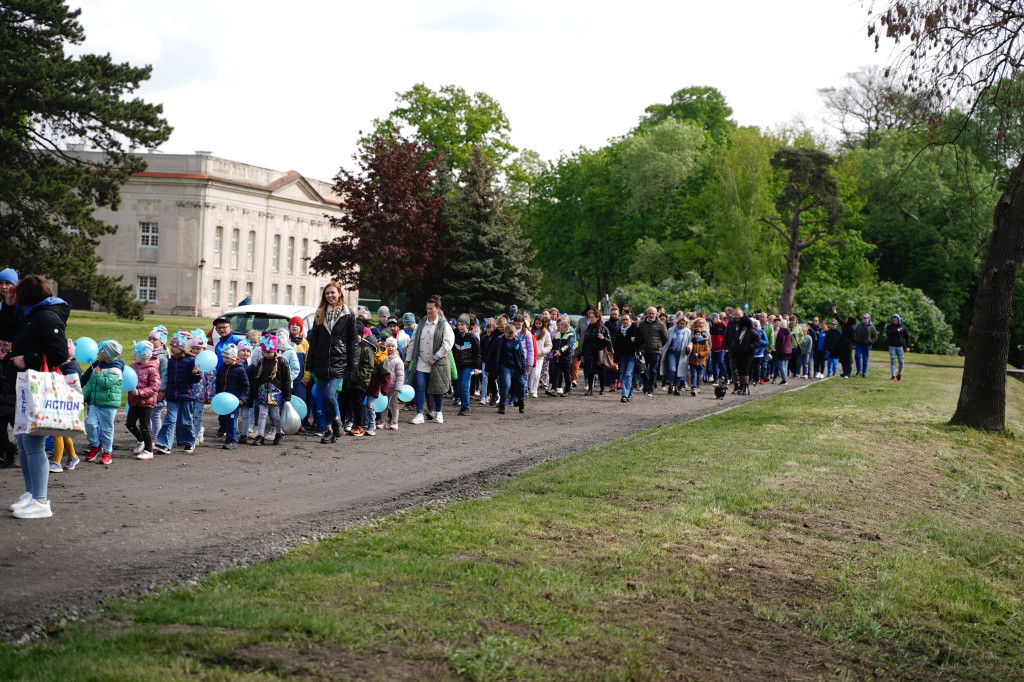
{"points": [[332, 353]]}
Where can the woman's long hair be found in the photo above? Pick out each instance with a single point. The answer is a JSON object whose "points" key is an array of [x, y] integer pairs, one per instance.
{"points": [[321, 310]]}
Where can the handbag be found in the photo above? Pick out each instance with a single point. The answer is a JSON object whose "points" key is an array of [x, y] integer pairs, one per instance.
{"points": [[48, 403], [641, 363], [606, 359]]}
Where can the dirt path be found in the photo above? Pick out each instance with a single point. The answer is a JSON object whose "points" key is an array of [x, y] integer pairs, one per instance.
{"points": [[134, 526]]}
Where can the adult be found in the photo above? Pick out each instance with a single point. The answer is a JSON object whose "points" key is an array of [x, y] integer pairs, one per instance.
{"points": [[624, 345], [428, 362], [744, 345], [466, 349], [332, 353], [595, 339], [39, 336], [847, 341], [865, 336], [581, 328], [654, 335], [732, 333], [676, 362], [542, 348], [718, 368], [783, 350], [899, 342]]}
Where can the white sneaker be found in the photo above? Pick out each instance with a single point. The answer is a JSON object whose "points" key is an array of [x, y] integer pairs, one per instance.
{"points": [[202, 434], [559, 391], [34, 510], [664, 388], [145, 454], [439, 418], [252, 431], [25, 498], [534, 394], [418, 419], [483, 401], [370, 432], [191, 448], [139, 447]]}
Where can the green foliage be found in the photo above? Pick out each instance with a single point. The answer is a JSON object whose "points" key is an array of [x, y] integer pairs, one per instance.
{"points": [[653, 164], [691, 292], [929, 331], [704, 106], [51, 99]]}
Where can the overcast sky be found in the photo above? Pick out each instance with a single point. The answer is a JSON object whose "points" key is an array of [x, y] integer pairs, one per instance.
{"points": [[289, 85]]}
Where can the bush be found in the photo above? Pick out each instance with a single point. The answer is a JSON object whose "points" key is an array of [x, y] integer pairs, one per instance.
{"points": [[691, 292], [929, 331]]}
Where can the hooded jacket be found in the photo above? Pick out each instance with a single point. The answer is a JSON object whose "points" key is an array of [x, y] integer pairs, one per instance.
{"points": [[103, 385], [148, 387], [896, 335], [467, 351], [332, 354], [40, 331], [233, 379], [865, 334], [180, 378]]}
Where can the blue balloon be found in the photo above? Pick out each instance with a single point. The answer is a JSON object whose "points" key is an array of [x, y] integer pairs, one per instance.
{"points": [[86, 350], [380, 404], [317, 395], [129, 379], [407, 394], [224, 403], [300, 406], [207, 361]]}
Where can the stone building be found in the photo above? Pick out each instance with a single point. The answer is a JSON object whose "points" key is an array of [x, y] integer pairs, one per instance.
{"points": [[197, 234]]}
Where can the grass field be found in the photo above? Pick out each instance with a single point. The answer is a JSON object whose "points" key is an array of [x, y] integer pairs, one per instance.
{"points": [[98, 326], [839, 531]]}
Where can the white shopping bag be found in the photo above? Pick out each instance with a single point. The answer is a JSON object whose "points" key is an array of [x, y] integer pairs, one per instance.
{"points": [[48, 404]]}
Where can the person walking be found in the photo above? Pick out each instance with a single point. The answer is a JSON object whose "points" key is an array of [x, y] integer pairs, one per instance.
{"points": [[865, 336], [332, 354], [595, 338], [653, 335], [783, 350], [624, 345], [428, 362], [466, 349], [899, 342]]}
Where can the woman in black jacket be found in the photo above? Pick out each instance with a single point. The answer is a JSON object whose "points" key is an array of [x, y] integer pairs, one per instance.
{"points": [[744, 345], [332, 353], [595, 338], [624, 344], [38, 336], [467, 360], [847, 341]]}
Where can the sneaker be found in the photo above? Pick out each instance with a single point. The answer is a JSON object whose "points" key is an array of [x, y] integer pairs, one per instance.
{"points": [[72, 463], [356, 432], [25, 498], [370, 432], [252, 431], [55, 468], [139, 447], [242, 440], [161, 450], [258, 440], [483, 401], [892, 378], [559, 391], [106, 459], [418, 419], [429, 415], [34, 510], [202, 434], [782, 383], [522, 408], [574, 383], [439, 418], [278, 437], [145, 454], [348, 427], [666, 388], [899, 377], [93, 454], [464, 412], [393, 426], [190, 448], [501, 409]]}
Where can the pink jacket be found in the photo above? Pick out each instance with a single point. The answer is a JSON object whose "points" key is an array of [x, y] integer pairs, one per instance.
{"points": [[149, 383]]}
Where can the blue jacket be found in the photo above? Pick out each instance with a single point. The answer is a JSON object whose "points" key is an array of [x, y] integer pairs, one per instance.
{"points": [[510, 354], [759, 353], [222, 344], [233, 379], [832, 337], [180, 378]]}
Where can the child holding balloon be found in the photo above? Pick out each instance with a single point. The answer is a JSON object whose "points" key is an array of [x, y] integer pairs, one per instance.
{"points": [[182, 373], [270, 384], [142, 397], [232, 386], [397, 366], [102, 392], [158, 337], [245, 412], [202, 392], [62, 444]]}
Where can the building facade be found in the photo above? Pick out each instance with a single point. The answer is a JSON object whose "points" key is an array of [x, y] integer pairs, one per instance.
{"points": [[197, 234]]}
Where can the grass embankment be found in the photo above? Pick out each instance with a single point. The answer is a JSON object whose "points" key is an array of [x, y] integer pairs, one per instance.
{"points": [[841, 530], [98, 326]]}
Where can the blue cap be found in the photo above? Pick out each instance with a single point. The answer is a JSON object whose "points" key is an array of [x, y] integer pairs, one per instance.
{"points": [[9, 275]]}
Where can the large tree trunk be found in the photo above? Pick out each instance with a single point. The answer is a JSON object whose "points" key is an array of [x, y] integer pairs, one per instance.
{"points": [[788, 300], [982, 403]]}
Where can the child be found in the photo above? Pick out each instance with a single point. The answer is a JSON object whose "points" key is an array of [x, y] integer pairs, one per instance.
{"points": [[102, 393], [62, 444], [245, 412], [232, 377], [158, 337], [806, 350], [397, 382], [202, 391], [182, 373], [301, 346], [380, 382], [358, 384], [698, 350], [270, 385], [142, 400], [562, 348]]}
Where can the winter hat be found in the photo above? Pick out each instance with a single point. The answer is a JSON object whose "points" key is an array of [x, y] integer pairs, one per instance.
{"points": [[512, 310], [384, 311], [298, 320], [408, 318], [269, 344], [284, 339], [451, 322], [390, 342], [159, 332], [714, 316], [463, 319], [143, 350], [366, 332], [181, 339], [197, 342], [899, 319], [244, 343], [9, 275], [393, 321], [110, 349], [229, 352]]}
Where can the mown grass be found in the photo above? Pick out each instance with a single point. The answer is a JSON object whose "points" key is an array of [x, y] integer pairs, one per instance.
{"points": [[847, 516], [98, 326]]}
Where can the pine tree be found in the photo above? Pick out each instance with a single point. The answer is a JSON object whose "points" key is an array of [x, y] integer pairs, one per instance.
{"points": [[489, 270]]}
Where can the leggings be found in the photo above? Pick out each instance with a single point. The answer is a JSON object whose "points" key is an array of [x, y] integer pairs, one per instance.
{"points": [[274, 412], [351, 398], [592, 370], [59, 445], [560, 375], [138, 423]]}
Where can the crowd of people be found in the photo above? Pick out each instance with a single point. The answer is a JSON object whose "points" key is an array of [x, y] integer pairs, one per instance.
{"points": [[351, 375]]}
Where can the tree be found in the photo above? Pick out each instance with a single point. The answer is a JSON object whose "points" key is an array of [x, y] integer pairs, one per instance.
{"points": [[809, 210], [489, 269], [653, 164], [47, 194], [704, 106], [963, 52], [392, 237], [870, 104]]}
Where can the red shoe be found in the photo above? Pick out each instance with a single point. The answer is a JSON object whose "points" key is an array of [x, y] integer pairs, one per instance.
{"points": [[357, 431], [899, 377], [106, 458], [762, 381], [93, 454]]}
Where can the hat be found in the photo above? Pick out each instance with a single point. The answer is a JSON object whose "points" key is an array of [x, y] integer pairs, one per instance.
{"points": [[282, 336], [865, 316], [451, 321], [513, 309], [384, 311], [181, 339], [244, 343], [408, 318], [229, 352], [393, 321], [463, 319], [390, 342], [197, 342], [714, 316], [297, 320], [143, 349], [9, 275], [269, 343], [110, 349], [159, 332], [221, 320]]}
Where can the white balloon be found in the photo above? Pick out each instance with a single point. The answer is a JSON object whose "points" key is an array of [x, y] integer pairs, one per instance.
{"points": [[290, 421]]}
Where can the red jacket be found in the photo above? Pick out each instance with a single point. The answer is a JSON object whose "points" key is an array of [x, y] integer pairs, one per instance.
{"points": [[149, 383]]}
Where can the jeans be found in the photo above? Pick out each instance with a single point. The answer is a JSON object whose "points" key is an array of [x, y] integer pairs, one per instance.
{"points": [[197, 419], [626, 367], [896, 355], [805, 363], [227, 422], [832, 364], [718, 366], [178, 419], [99, 427], [157, 418], [780, 368], [508, 376], [672, 361], [695, 372], [329, 400], [465, 377], [653, 361], [860, 357], [420, 381], [35, 468]]}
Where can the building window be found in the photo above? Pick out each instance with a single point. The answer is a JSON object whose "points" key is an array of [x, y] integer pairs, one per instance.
{"points": [[251, 253], [288, 294], [235, 235], [147, 289], [291, 254], [305, 256], [275, 257], [218, 240], [273, 293], [248, 290], [215, 299], [302, 295], [233, 292], [148, 234]]}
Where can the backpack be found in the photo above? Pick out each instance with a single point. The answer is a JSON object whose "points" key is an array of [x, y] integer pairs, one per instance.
{"points": [[380, 362]]}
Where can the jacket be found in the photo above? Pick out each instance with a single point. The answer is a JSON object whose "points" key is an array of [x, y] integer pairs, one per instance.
{"points": [[467, 351], [543, 345], [683, 336], [592, 344], [180, 378], [259, 374], [718, 336], [509, 353], [564, 344], [149, 383], [783, 344], [103, 386], [622, 345], [41, 331], [397, 373], [699, 351], [745, 344], [233, 379], [8, 385], [440, 373], [332, 354], [896, 335], [364, 365], [654, 335], [222, 344], [865, 334]]}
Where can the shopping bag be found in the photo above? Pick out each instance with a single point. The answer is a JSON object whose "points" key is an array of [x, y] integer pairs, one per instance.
{"points": [[48, 404]]}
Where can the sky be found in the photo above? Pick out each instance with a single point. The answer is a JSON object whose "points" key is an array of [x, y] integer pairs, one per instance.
{"points": [[289, 86]]}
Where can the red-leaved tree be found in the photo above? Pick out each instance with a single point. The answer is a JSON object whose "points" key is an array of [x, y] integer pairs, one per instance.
{"points": [[391, 229]]}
